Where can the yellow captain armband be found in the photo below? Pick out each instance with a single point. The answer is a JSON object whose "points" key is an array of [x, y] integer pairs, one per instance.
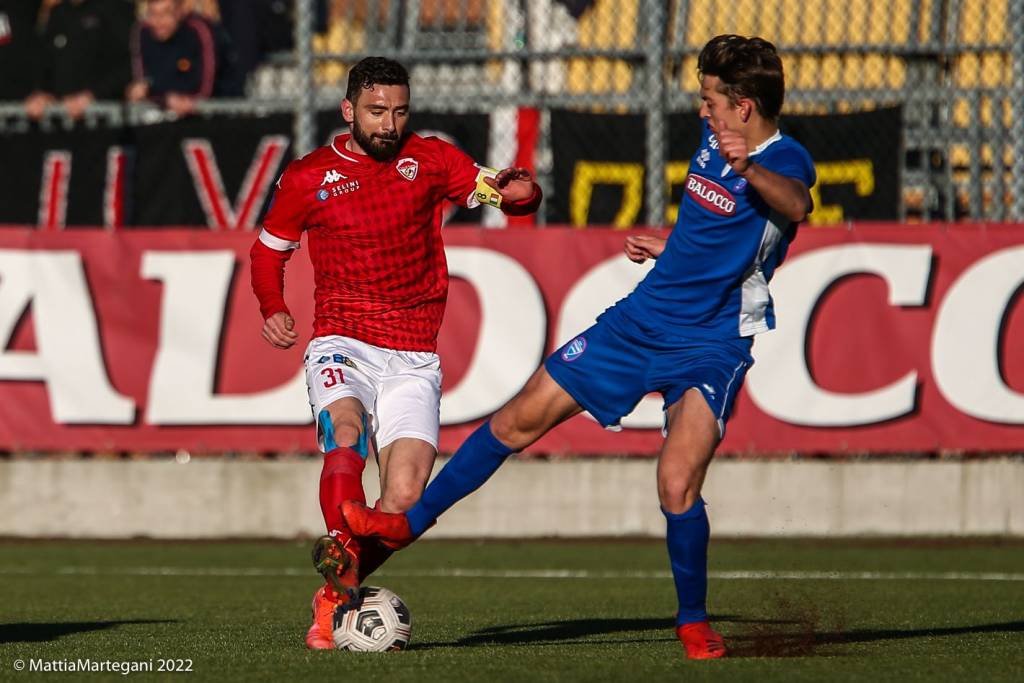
{"points": [[484, 193]]}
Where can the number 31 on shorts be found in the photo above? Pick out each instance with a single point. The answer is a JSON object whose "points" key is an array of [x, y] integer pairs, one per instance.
{"points": [[334, 376]]}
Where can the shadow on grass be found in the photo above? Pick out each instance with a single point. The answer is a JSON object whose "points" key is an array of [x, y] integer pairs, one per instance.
{"points": [[789, 637], [41, 632], [573, 630], [803, 641]]}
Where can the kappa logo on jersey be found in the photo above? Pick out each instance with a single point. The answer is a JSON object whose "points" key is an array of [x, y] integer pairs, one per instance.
{"points": [[408, 167], [333, 176], [703, 158], [574, 349], [711, 195]]}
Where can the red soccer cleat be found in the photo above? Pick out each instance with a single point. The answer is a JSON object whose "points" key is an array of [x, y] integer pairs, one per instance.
{"points": [[701, 641], [320, 635], [390, 528], [338, 562]]}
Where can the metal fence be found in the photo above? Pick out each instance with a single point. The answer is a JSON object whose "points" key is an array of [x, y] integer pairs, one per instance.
{"points": [[955, 67]]}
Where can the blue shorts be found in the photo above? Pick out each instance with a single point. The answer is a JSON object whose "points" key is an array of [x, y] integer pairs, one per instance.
{"points": [[610, 366]]}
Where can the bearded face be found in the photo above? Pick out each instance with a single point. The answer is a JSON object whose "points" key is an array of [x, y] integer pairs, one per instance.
{"points": [[381, 146]]}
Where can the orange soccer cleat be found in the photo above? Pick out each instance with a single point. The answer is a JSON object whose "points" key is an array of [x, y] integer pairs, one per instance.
{"points": [[320, 635], [339, 565], [701, 641], [390, 528]]}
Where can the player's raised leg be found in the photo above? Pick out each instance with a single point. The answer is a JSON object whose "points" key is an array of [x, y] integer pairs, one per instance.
{"points": [[538, 407], [693, 434]]}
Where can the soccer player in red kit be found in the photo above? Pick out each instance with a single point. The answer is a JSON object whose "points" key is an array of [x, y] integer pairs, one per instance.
{"points": [[371, 203]]}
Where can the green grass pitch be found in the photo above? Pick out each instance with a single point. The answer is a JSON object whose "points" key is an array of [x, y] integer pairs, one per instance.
{"points": [[528, 611]]}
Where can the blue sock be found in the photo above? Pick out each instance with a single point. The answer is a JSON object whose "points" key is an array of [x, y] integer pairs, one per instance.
{"points": [[477, 459], [687, 535]]}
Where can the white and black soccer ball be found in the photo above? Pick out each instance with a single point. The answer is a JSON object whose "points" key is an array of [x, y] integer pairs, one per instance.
{"points": [[376, 621]]}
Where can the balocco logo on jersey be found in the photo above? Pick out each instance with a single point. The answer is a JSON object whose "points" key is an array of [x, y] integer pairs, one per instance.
{"points": [[711, 195]]}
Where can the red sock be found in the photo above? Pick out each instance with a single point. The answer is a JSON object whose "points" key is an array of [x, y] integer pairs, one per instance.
{"points": [[341, 479]]}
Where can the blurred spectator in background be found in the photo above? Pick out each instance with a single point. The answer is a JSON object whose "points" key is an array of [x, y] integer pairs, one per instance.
{"points": [[577, 7], [83, 55], [259, 28], [18, 46], [179, 58]]}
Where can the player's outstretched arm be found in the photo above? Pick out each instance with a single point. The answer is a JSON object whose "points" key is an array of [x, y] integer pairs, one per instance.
{"points": [[788, 196], [513, 184], [520, 195], [639, 248]]}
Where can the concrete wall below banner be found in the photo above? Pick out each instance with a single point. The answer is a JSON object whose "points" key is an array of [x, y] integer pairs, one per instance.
{"points": [[209, 498]]}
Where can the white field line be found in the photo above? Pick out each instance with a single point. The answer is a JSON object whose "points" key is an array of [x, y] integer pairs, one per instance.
{"points": [[739, 575]]}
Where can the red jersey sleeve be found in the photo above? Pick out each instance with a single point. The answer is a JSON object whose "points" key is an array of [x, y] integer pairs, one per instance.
{"points": [[286, 217], [282, 230], [462, 172]]}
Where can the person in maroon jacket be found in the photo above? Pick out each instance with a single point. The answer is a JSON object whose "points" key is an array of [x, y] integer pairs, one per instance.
{"points": [[371, 204]]}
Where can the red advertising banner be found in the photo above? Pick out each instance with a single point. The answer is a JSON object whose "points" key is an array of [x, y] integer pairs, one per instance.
{"points": [[891, 339]]}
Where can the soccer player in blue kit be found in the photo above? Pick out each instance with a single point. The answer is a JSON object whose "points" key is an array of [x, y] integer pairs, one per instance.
{"points": [[686, 331]]}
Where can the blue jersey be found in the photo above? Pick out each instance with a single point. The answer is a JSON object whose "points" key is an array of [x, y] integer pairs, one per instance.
{"points": [[711, 282]]}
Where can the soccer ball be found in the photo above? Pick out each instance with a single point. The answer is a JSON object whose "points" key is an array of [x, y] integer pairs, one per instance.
{"points": [[377, 620]]}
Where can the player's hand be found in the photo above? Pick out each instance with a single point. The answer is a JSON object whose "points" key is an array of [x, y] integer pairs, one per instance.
{"points": [[182, 105], [77, 104], [36, 104], [733, 149], [137, 91], [279, 331], [639, 248], [513, 184]]}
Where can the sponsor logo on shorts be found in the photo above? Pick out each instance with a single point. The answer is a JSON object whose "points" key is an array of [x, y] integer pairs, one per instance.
{"points": [[336, 358], [574, 349], [708, 388], [710, 195]]}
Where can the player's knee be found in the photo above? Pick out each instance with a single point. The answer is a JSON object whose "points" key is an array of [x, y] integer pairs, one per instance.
{"points": [[677, 492], [401, 496], [512, 430], [346, 432]]}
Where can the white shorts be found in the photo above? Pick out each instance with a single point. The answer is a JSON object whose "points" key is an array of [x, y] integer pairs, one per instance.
{"points": [[401, 390]]}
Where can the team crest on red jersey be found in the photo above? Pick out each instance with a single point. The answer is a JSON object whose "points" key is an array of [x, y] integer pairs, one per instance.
{"points": [[408, 167], [711, 195]]}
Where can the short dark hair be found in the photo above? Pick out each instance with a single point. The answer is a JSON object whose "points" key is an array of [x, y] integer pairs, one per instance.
{"points": [[372, 71], [747, 67]]}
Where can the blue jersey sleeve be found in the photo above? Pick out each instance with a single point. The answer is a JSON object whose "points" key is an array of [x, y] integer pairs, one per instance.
{"points": [[792, 161]]}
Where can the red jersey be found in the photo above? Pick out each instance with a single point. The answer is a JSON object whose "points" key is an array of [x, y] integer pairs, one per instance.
{"points": [[374, 238]]}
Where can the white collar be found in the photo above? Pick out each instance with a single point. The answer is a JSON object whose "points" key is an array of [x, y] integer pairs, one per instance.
{"points": [[776, 136]]}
